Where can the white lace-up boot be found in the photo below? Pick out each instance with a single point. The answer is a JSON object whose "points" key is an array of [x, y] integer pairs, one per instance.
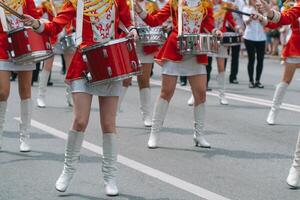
{"points": [[3, 106], [191, 100], [145, 100], [69, 96], [199, 119], [72, 154], [43, 79], [160, 111], [293, 178], [277, 100], [121, 98], [25, 123], [109, 161], [221, 85]]}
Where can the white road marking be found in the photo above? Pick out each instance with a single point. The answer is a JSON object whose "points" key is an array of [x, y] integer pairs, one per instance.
{"points": [[164, 177], [241, 98]]}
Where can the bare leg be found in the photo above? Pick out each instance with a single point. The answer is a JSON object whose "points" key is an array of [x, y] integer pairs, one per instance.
{"points": [[81, 112]]}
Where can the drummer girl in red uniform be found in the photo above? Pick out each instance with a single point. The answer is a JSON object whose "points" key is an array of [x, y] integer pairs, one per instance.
{"points": [[223, 19], [11, 22], [49, 9], [291, 56], [100, 24], [146, 56], [197, 16]]}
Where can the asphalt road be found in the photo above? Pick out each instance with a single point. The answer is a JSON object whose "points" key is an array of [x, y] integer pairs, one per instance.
{"points": [[249, 160]]}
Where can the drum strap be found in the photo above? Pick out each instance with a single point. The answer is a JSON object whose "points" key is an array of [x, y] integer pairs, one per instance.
{"points": [[179, 20], [79, 22], [3, 20]]}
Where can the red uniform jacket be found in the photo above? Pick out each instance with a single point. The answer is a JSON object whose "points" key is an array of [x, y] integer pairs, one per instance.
{"points": [[42, 10], [169, 50], [67, 14], [69, 28], [228, 18], [291, 16], [28, 8]]}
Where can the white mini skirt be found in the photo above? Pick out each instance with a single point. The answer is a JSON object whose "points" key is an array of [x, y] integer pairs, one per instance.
{"points": [[187, 67], [293, 60], [222, 52], [149, 58], [108, 89], [10, 66]]}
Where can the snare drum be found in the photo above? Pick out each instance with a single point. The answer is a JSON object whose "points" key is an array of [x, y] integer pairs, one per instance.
{"points": [[68, 41], [111, 61], [27, 46], [151, 35], [197, 44], [231, 39]]}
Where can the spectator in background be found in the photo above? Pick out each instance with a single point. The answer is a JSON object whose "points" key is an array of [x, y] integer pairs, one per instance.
{"points": [[235, 50], [255, 41], [274, 33]]}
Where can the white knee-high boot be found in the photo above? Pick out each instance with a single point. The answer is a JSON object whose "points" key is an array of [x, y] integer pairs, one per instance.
{"points": [[145, 100], [221, 85], [109, 161], [199, 119], [191, 100], [3, 106], [43, 79], [69, 96], [25, 124], [160, 111], [121, 98], [277, 100], [72, 154], [293, 178]]}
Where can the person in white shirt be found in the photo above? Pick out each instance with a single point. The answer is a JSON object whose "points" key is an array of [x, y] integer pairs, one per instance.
{"points": [[255, 41]]}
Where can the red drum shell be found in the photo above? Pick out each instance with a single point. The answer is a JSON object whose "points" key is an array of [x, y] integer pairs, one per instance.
{"points": [[27, 46], [111, 61]]}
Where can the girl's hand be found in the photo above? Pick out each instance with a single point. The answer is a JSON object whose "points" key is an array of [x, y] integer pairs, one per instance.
{"points": [[30, 21]]}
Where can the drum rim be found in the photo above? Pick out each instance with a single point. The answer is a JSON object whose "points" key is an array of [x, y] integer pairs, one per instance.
{"points": [[149, 27], [195, 35], [68, 36], [100, 44], [229, 34], [18, 29], [49, 53]]}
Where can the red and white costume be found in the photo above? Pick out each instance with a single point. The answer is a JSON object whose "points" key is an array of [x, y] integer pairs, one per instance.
{"points": [[145, 53], [168, 56], [46, 12], [13, 23], [95, 29], [221, 22], [291, 51]]}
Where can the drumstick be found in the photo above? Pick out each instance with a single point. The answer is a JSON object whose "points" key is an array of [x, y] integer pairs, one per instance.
{"points": [[179, 17], [237, 11], [10, 10]]}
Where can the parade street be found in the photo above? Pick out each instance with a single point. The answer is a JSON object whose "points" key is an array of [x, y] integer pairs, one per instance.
{"points": [[249, 160]]}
